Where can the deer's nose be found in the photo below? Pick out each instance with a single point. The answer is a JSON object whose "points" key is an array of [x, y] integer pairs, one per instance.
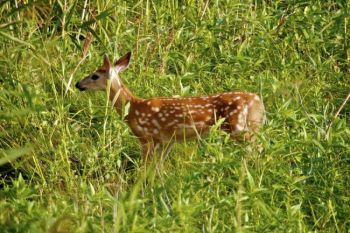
{"points": [[77, 85]]}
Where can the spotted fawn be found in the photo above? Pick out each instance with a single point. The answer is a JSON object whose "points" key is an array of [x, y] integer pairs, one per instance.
{"points": [[157, 121]]}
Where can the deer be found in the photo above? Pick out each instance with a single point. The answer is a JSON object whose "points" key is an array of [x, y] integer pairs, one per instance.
{"points": [[163, 120]]}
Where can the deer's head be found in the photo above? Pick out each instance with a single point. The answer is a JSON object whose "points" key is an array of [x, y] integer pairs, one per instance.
{"points": [[98, 80]]}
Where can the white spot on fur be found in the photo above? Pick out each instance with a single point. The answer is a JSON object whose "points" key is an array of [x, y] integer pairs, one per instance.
{"points": [[155, 109], [137, 113], [171, 123], [185, 126], [245, 110], [156, 124], [239, 127], [139, 128], [194, 125], [242, 117], [142, 122]]}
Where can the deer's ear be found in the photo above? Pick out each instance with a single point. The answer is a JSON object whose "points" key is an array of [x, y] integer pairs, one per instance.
{"points": [[106, 63], [123, 62]]}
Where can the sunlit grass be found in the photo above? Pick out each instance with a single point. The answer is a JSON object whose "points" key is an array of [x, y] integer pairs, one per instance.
{"points": [[68, 163]]}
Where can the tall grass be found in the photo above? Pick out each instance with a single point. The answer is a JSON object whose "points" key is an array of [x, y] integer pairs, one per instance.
{"points": [[70, 164]]}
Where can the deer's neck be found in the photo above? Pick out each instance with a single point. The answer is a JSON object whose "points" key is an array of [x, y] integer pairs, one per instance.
{"points": [[120, 95]]}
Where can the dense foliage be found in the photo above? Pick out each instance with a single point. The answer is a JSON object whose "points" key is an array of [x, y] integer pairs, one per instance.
{"points": [[68, 163]]}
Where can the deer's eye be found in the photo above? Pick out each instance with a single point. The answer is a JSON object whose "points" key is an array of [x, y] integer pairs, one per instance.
{"points": [[94, 77]]}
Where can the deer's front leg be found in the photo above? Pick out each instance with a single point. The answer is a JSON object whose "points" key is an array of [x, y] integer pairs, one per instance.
{"points": [[165, 150], [147, 149]]}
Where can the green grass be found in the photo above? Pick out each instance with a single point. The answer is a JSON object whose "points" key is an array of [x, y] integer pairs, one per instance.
{"points": [[70, 164]]}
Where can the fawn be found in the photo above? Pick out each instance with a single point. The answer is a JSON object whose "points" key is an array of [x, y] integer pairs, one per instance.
{"points": [[156, 121]]}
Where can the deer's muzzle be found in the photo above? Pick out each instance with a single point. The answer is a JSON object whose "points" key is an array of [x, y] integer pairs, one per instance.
{"points": [[77, 85]]}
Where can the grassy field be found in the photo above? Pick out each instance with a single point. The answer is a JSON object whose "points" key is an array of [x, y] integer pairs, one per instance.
{"points": [[68, 163]]}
